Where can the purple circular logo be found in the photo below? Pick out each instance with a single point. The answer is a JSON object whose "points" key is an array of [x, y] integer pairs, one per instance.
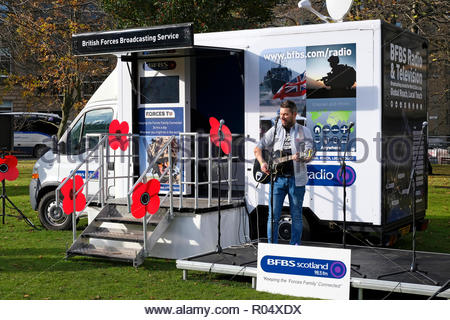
{"points": [[338, 269], [350, 176]]}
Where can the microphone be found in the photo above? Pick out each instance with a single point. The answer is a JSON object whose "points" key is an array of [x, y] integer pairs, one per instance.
{"points": [[221, 137], [275, 120], [351, 125]]}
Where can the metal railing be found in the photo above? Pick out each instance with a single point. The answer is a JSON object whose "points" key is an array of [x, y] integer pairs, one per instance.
{"points": [[100, 151], [196, 158], [169, 169], [439, 149], [89, 176]]}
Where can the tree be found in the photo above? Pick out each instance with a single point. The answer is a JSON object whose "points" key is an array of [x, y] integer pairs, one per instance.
{"points": [[207, 15], [38, 35]]}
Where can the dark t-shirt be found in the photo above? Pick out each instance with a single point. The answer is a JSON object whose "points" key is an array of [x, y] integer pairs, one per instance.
{"points": [[288, 166]]}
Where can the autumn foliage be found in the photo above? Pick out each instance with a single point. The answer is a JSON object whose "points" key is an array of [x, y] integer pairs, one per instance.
{"points": [[38, 34]]}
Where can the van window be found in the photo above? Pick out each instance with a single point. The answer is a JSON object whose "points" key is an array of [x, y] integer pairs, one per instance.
{"points": [[73, 139], [95, 121], [45, 127], [33, 123]]}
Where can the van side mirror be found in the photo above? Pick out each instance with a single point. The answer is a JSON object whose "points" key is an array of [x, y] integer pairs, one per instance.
{"points": [[54, 144], [62, 147]]}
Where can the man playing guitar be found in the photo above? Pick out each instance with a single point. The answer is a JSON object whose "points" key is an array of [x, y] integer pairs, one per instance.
{"points": [[292, 140]]}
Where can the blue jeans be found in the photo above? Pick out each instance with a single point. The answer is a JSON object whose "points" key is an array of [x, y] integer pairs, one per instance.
{"points": [[281, 187]]}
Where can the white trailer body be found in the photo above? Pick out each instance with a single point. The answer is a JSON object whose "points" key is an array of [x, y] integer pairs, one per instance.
{"points": [[387, 105], [325, 201], [231, 75]]}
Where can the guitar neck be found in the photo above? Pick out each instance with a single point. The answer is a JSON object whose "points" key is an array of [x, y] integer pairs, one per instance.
{"points": [[291, 157], [283, 159]]}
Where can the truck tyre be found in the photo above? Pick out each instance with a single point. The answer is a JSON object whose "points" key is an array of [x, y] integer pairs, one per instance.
{"points": [[40, 150], [51, 218]]}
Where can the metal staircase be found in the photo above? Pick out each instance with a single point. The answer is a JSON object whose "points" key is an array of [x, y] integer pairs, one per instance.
{"points": [[124, 232], [114, 233]]}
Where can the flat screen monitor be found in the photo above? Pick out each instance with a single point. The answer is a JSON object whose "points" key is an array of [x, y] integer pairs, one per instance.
{"points": [[165, 89]]}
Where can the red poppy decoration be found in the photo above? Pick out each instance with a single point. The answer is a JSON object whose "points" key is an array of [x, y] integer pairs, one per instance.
{"points": [[145, 198], [8, 168], [69, 195], [214, 133], [118, 141]]}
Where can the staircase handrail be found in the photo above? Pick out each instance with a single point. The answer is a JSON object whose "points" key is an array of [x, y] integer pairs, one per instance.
{"points": [[71, 175], [147, 169], [167, 145]]}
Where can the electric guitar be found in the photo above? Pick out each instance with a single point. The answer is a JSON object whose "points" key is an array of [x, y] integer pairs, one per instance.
{"points": [[275, 165]]}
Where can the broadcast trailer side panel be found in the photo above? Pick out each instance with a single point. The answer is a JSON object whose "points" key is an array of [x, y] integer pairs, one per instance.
{"points": [[405, 59], [287, 64], [278, 64]]}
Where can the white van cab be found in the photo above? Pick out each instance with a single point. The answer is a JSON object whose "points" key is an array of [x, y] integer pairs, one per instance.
{"points": [[51, 169]]}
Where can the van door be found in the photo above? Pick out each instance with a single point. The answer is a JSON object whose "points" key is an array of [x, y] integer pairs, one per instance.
{"points": [[92, 122]]}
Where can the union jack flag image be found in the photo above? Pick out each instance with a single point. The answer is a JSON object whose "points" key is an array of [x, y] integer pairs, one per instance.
{"points": [[294, 88]]}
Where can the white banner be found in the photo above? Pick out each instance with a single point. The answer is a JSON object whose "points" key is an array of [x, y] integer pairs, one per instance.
{"points": [[304, 271]]}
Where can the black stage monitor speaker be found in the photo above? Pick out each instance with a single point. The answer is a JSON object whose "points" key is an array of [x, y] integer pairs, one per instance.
{"points": [[6, 132], [284, 229]]}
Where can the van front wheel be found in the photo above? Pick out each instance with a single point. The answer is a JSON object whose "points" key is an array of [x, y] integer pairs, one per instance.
{"points": [[51, 218]]}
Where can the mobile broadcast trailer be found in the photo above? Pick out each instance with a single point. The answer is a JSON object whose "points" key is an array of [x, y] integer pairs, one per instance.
{"points": [[168, 80]]}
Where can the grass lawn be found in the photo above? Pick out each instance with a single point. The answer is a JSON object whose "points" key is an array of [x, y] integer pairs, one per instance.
{"points": [[437, 237], [32, 264]]}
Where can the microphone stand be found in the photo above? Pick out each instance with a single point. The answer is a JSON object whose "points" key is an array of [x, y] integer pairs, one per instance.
{"points": [[4, 197], [344, 185], [412, 186], [272, 180], [344, 205], [219, 249]]}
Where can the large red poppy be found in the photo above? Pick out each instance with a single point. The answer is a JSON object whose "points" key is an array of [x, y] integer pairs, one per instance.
{"points": [[118, 141], [8, 168], [69, 195], [214, 134], [145, 198]]}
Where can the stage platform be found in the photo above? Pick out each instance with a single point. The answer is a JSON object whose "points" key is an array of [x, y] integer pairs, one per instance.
{"points": [[372, 261]]}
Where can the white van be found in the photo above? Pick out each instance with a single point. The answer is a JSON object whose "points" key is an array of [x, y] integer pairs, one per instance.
{"points": [[33, 131]]}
